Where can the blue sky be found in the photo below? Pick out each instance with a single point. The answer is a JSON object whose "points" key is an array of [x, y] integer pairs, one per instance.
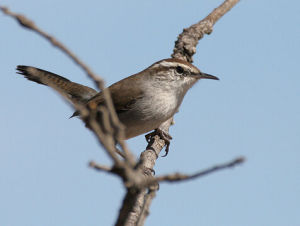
{"points": [[252, 111]]}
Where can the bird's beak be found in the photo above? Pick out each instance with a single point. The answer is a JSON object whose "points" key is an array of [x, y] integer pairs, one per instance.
{"points": [[207, 76]]}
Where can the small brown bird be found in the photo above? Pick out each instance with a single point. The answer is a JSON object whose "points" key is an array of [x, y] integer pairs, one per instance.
{"points": [[143, 101]]}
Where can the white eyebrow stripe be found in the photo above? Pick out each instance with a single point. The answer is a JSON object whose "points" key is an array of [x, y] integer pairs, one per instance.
{"points": [[170, 64], [173, 64], [167, 64]]}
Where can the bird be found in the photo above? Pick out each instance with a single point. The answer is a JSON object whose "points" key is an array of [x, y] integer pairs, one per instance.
{"points": [[142, 101]]}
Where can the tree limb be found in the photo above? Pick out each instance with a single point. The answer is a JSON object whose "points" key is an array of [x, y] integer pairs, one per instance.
{"points": [[185, 46]]}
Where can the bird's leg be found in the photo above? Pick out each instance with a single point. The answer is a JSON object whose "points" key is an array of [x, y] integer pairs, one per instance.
{"points": [[163, 135]]}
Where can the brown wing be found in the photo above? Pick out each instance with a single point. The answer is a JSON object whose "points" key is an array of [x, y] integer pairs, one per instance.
{"points": [[122, 93], [75, 92]]}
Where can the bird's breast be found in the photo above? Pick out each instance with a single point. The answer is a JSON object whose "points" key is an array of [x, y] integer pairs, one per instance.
{"points": [[157, 105], [148, 112]]}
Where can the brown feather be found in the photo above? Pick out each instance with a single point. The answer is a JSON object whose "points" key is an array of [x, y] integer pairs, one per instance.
{"points": [[75, 92]]}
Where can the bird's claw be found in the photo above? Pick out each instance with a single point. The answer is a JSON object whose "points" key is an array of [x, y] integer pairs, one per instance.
{"points": [[163, 135]]}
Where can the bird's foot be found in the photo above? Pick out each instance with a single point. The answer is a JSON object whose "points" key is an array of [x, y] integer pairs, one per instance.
{"points": [[163, 135]]}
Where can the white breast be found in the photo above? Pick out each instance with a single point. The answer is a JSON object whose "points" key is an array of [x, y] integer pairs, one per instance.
{"points": [[158, 104]]}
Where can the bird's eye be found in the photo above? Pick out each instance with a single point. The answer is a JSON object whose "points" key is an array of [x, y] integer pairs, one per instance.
{"points": [[179, 70]]}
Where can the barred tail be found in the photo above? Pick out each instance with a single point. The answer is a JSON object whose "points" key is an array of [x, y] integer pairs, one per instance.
{"points": [[75, 92]]}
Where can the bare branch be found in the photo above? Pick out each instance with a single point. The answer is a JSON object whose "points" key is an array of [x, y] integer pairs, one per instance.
{"points": [[131, 211], [98, 167], [121, 153], [106, 139], [29, 24], [145, 210], [185, 46], [183, 177]]}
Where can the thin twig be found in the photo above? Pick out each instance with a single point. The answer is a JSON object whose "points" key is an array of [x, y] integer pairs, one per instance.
{"points": [[121, 153], [178, 177], [105, 139], [183, 177], [25, 22], [98, 167]]}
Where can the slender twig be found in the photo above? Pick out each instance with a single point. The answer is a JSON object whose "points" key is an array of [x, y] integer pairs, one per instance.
{"points": [[178, 177], [183, 177], [25, 22], [121, 153], [98, 167]]}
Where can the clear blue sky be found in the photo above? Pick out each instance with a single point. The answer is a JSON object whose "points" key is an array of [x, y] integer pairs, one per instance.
{"points": [[252, 111]]}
